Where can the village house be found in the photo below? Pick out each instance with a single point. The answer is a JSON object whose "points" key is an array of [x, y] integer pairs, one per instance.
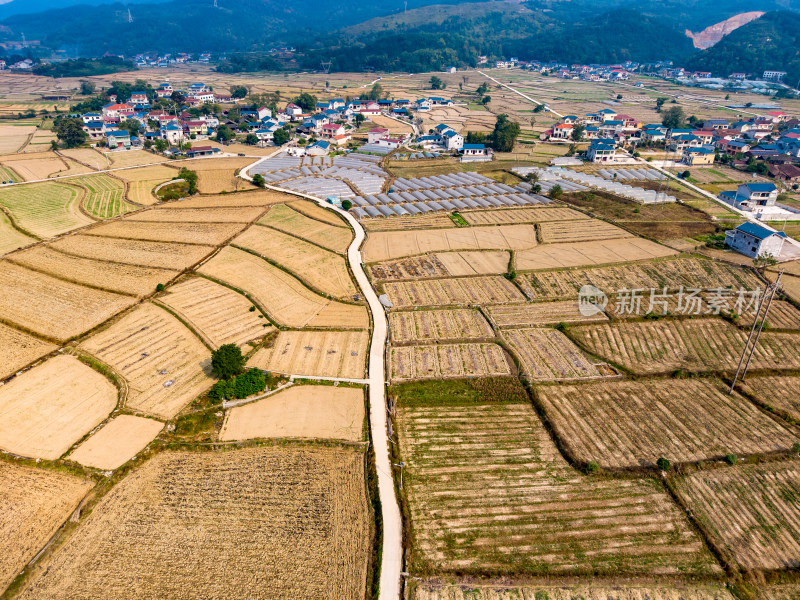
{"points": [[118, 140], [754, 240], [319, 148], [331, 130], [748, 196], [785, 172], [602, 150], [118, 111], [376, 133], [698, 156]]}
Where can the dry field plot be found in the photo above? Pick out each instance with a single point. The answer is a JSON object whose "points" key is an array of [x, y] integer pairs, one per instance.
{"points": [[548, 355], [34, 503], [254, 523], [253, 197], [88, 156], [185, 233], [782, 394], [522, 215], [19, 349], [216, 181], [785, 591], [290, 221], [673, 274], [448, 360], [392, 125], [142, 182], [36, 166], [169, 214], [302, 411], [47, 409], [632, 423], [103, 196], [751, 512], [694, 345], [316, 353], [437, 591], [163, 362], [285, 299], [10, 237], [133, 158], [388, 245], [51, 307], [315, 211], [782, 315], [444, 292], [485, 262], [539, 314], [45, 209], [580, 231], [429, 221], [163, 255], [488, 492], [322, 269], [116, 442], [416, 267], [13, 136], [217, 313], [115, 277], [433, 325], [579, 254]]}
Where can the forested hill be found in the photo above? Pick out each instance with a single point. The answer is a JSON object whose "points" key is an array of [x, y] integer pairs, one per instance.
{"points": [[771, 42]]}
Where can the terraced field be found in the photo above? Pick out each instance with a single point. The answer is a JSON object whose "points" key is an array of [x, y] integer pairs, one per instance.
{"points": [[331, 237], [443, 361], [446, 292], [18, 349], [155, 231], [142, 181], [438, 325], [538, 314], [780, 393], [45, 209], [10, 237], [104, 196], [548, 355]]}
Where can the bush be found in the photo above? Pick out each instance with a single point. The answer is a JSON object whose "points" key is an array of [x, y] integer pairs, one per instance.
{"points": [[796, 448], [160, 287], [190, 177], [258, 179], [562, 327], [663, 464], [227, 361], [731, 459], [347, 205], [592, 467]]}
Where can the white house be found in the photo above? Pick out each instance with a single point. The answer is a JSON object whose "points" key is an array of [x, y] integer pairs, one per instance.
{"points": [[755, 240], [749, 196], [376, 133], [293, 111], [452, 140], [263, 113]]}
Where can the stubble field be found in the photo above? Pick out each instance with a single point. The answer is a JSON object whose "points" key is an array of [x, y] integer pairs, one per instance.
{"points": [[315, 211], [10, 237], [181, 214], [18, 349], [429, 221], [438, 325], [548, 355], [142, 182], [522, 215], [539, 314], [116, 442], [581, 254], [595, 591], [444, 292], [45, 209], [156, 231], [331, 237], [780, 393], [581, 231], [484, 262], [442, 361]]}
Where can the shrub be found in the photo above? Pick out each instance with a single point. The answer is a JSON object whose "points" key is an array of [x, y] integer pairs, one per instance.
{"points": [[189, 177], [347, 205], [252, 309], [796, 448], [227, 361], [731, 459], [562, 327], [592, 467], [258, 179], [160, 287], [663, 464]]}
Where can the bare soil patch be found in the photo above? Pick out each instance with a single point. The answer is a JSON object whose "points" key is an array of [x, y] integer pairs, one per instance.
{"points": [[116, 442]]}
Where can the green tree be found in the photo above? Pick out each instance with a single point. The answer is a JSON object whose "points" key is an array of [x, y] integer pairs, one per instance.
{"points": [[347, 205], [663, 464], [437, 83], [485, 100], [132, 126], [359, 119], [306, 101], [674, 118], [505, 134], [556, 192], [258, 179], [376, 92], [660, 103], [238, 91], [161, 144], [189, 177], [251, 139], [224, 133], [71, 133], [227, 361], [280, 137], [577, 132], [87, 88]]}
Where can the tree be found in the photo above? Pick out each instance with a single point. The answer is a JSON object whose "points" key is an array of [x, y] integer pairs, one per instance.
{"points": [[765, 259], [347, 205], [306, 101], [663, 464], [673, 118], [71, 133], [577, 132], [660, 103], [375, 93], [619, 96], [227, 361], [87, 88], [224, 133], [482, 89], [280, 137], [177, 98], [161, 144], [485, 100], [189, 177], [251, 139], [359, 119], [258, 179], [436, 83], [238, 91], [505, 134], [556, 192], [132, 126]]}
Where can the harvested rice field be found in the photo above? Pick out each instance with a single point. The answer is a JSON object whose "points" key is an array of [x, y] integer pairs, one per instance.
{"points": [[50, 407], [185, 233], [579, 254], [252, 197], [594, 591], [316, 353], [693, 272], [388, 245], [116, 442], [320, 269], [18, 349], [162, 255], [217, 313], [252, 523], [522, 215], [444, 292], [539, 314], [785, 591], [315, 211], [779, 393], [87, 156], [53, 308], [164, 365], [484, 262], [587, 230], [133, 158], [142, 182], [694, 345], [10, 237], [169, 214], [443, 361], [45, 209], [782, 315], [302, 412], [290, 221], [548, 355], [437, 325], [750, 512], [629, 424], [217, 181], [103, 197], [35, 502], [417, 267], [115, 277], [13, 136], [429, 221], [489, 493], [284, 298], [36, 166]]}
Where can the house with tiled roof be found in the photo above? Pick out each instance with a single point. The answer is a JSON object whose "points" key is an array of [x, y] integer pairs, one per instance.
{"points": [[754, 240]]}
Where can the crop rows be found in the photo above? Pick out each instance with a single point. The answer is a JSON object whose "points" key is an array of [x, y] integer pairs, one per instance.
{"points": [[778, 392], [416, 267], [522, 215], [782, 315], [444, 292], [548, 355], [540, 314], [580, 231], [290, 221], [104, 197], [44, 209], [447, 360], [583, 591], [437, 325]]}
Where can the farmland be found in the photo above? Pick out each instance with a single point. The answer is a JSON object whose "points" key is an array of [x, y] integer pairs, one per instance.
{"points": [[430, 221], [142, 181], [317, 353], [164, 364], [36, 166], [488, 493], [388, 245], [321, 269], [18, 349], [45, 209], [133, 158], [539, 314], [116, 442], [10, 237], [751, 512], [548, 355], [447, 360], [178, 214], [632, 423], [104, 196], [35, 504], [582, 231], [416, 267], [47, 409], [52, 307], [694, 345], [315, 211], [443, 292], [155, 231], [438, 325], [116, 277], [485, 262], [285, 299], [522, 215], [249, 198], [13, 136], [594, 591], [580, 254], [782, 315], [290, 221], [259, 522], [781, 393], [217, 313], [88, 156], [302, 411]]}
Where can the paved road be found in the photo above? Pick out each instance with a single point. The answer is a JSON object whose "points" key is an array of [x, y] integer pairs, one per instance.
{"points": [[559, 115]]}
